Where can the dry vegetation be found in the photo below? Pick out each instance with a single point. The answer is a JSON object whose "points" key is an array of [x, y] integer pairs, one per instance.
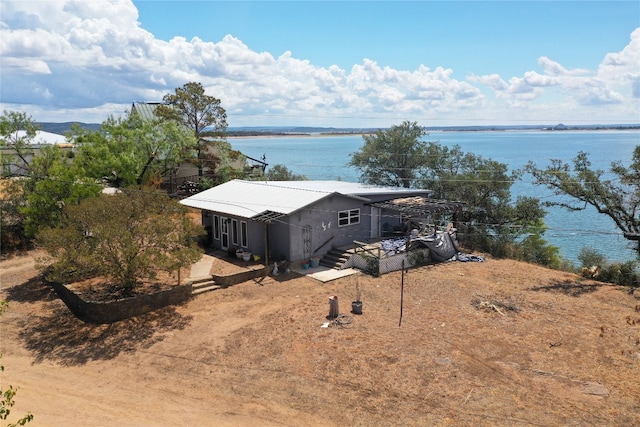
{"points": [[495, 343]]}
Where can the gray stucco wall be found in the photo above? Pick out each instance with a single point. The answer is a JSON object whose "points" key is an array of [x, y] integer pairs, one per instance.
{"points": [[390, 219], [322, 218], [256, 238], [279, 240]]}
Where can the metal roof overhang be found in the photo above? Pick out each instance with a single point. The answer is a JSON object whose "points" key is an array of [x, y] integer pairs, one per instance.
{"points": [[418, 205], [267, 216]]}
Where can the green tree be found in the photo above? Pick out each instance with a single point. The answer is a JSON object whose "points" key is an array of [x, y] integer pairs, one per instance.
{"points": [[47, 182], [282, 173], [131, 151], [392, 157], [126, 151], [203, 115], [126, 238], [616, 194], [492, 222], [17, 135], [58, 185], [228, 163]]}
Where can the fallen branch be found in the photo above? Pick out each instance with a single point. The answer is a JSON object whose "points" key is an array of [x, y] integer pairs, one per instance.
{"points": [[557, 343], [468, 396], [494, 304]]}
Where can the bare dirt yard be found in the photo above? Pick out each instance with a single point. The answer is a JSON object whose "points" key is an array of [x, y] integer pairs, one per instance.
{"points": [[493, 343]]}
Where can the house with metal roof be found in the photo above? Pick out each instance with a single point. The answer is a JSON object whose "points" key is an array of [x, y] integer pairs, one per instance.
{"points": [[297, 220], [12, 164], [188, 173], [145, 110]]}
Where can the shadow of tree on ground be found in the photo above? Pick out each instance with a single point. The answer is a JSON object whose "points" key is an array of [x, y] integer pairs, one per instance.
{"points": [[61, 337], [568, 287], [33, 290]]}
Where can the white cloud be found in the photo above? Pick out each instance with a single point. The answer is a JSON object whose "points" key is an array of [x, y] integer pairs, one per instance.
{"points": [[82, 60], [494, 81], [605, 94], [553, 68], [29, 66]]}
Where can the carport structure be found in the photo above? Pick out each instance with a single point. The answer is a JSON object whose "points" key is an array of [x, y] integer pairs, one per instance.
{"points": [[416, 214], [411, 208]]}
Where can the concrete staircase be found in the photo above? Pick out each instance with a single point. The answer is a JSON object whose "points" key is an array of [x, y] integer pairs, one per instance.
{"points": [[336, 258], [203, 284]]}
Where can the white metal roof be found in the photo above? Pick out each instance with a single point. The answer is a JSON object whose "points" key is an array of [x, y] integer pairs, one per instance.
{"points": [[255, 198], [347, 188], [43, 138], [250, 198]]}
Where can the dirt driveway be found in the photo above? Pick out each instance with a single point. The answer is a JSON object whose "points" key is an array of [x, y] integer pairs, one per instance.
{"points": [[494, 343]]}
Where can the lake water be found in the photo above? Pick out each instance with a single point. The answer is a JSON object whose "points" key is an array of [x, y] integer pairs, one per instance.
{"points": [[327, 157]]}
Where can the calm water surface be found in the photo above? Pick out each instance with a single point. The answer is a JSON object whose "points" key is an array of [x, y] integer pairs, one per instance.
{"points": [[327, 157]]}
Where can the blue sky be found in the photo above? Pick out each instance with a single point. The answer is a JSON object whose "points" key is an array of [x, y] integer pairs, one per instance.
{"points": [[328, 63], [468, 36]]}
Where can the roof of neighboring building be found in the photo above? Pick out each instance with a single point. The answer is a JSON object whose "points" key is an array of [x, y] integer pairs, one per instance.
{"points": [[146, 110], [43, 138], [264, 200]]}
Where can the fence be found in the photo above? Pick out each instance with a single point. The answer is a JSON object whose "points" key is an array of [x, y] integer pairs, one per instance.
{"points": [[181, 186], [372, 259]]}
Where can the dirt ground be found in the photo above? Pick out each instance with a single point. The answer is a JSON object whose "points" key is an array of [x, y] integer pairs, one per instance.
{"points": [[493, 343]]}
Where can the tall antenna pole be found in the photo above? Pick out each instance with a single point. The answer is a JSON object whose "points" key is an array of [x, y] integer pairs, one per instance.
{"points": [[401, 294]]}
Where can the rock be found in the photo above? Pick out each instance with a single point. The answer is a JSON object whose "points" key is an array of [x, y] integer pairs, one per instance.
{"points": [[595, 389], [636, 293]]}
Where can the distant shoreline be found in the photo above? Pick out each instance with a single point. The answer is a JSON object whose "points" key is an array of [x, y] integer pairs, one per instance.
{"points": [[250, 135], [308, 131], [295, 135]]}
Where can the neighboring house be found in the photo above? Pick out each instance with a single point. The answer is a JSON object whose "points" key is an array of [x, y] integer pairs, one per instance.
{"points": [[15, 166], [296, 220], [145, 110], [188, 171]]}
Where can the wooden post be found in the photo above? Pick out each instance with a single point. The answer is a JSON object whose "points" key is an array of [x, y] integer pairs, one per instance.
{"points": [[334, 311]]}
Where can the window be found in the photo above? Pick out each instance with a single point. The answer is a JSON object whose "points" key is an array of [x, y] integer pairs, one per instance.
{"points": [[224, 232], [349, 217], [216, 227], [234, 231], [243, 234]]}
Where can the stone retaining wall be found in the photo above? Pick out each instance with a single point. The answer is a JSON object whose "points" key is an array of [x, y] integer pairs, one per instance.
{"points": [[235, 278], [113, 311]]}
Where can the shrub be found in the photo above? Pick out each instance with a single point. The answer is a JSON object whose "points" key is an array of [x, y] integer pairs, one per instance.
{"points": [[595, 265], [620, 273], [590, 257], [126, 238]]}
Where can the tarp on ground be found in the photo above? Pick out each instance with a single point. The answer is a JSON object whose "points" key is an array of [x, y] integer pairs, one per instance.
{"points": [[441, 246]]}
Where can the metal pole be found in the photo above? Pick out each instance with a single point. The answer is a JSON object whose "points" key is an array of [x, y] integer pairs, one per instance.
{"points": [[401, 294], [266, 244]]}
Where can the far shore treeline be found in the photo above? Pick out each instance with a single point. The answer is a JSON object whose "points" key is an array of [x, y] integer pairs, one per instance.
{"points": [[253, 131]]}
